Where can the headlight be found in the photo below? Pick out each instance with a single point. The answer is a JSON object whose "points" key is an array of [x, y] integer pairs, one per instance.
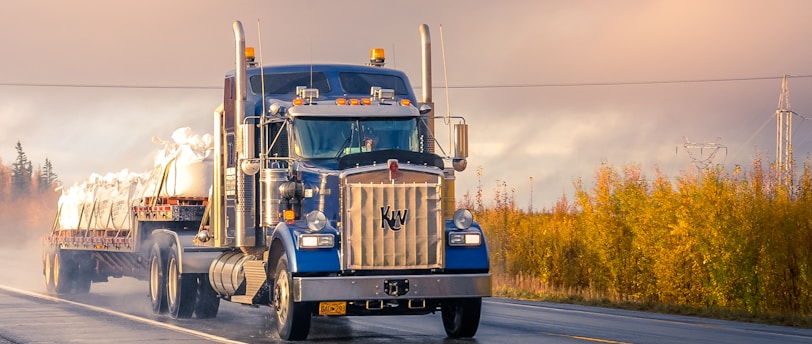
{"points": [[463, 219], [464, 239], [316, 241], [316, 220]]}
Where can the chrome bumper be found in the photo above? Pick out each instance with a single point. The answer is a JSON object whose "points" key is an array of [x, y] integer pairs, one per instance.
{"points": [[372, 287]]}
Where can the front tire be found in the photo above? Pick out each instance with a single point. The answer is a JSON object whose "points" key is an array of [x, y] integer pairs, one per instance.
{"points": [[461, 317], [292, 318]]}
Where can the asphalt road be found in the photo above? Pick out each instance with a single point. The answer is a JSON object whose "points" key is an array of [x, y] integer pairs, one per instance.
{"points": [[119, 311]]}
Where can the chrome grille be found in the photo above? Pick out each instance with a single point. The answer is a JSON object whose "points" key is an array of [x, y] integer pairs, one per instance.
{"points": [[392, 226]]}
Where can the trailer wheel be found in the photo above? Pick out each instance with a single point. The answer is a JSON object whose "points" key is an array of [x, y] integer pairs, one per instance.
{"points": [[157, 280], [181, 289], [208, 302], [63, 272], [83, 269], [292, 318], [48, 261], [461, 317]]}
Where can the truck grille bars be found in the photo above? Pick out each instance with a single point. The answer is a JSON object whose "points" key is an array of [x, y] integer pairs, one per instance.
{"points": [[392, 226]]}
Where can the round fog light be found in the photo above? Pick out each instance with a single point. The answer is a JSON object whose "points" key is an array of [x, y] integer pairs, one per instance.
{"points": [[463, 219], [316, 220]]}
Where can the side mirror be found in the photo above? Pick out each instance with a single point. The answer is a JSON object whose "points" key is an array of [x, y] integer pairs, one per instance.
{"points": [[424, 109], [460, 146]]}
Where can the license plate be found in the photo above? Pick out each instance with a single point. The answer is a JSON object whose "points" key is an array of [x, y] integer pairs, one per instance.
{"points": [[333, 308]]}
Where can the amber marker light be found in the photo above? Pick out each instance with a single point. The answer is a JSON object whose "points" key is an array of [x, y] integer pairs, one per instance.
{"points": [[355, 101], [366, 101], [289, 216], [298, 101], [405, 102], [376, 56], [341, 101]]}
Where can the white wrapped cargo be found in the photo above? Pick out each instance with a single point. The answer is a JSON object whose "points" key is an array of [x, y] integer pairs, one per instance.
{"points": [[183, 168]]}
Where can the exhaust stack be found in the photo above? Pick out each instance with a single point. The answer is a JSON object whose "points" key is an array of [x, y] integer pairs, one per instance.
{"points": [[245, 209], [425, 43]]}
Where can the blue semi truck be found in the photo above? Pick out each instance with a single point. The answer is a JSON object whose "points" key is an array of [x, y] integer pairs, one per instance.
{"points": [[327, 199]]}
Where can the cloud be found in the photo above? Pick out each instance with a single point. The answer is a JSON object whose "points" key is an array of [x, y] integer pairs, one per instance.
{"points": [[517, 130]]}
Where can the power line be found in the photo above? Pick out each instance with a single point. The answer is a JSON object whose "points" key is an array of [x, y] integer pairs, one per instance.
{"points": [[483, 86], [77, 85], [632, 83]]}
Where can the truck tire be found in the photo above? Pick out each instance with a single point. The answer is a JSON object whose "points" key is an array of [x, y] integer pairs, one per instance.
{"points": [[48, 262], [292, 318], [208, 302], [181, 289], [84, 267], [461, 317], [157, 280], [63, 272]]}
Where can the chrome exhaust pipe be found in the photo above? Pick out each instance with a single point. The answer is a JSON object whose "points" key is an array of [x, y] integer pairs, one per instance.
{"points": [[245, 209], [425, 43]]}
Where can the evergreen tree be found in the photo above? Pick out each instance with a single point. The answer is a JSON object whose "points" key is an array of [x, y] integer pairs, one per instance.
{"points": [[47, 177], [5, 182], [21, 173]]}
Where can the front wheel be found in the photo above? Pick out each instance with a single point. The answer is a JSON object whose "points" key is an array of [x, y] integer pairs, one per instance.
{"points": [[461, 317], [292, 318]]}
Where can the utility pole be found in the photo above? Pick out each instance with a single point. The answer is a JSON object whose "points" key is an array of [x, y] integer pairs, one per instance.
{"points": [[783, 131], [531, 194], [702, 161]]}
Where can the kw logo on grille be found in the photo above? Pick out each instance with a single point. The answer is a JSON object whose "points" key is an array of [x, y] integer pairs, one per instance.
{"points": [[394, 220]]}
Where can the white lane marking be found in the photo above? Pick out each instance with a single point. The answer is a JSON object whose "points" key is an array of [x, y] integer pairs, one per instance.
{"points": [[123, 315]]}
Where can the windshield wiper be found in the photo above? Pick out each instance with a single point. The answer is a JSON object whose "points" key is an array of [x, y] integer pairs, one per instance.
{"points": [[346, 144]]}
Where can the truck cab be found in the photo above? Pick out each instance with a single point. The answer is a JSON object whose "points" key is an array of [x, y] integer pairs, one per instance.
{"points": [[329, 200]]}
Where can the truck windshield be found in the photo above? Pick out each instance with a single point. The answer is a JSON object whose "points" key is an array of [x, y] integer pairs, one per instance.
{"points": [[325, 138]]}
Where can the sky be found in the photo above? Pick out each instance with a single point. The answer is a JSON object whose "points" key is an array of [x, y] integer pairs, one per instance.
{"points": [[551, 90]]}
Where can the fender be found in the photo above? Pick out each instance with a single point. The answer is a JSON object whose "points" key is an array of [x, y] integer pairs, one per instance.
{"points": [[321, 260], [190, 259], [165, 238], [467, 258], [282, 234]]}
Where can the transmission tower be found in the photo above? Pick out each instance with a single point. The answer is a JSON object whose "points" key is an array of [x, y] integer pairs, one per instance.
{"points": [[707, 151], [783, 130]]}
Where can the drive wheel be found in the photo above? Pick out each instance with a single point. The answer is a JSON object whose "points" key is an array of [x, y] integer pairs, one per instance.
{"points": [[208, 302], [292, 318], [461, 317], [157, 280], [62, 272], [181, 289]]}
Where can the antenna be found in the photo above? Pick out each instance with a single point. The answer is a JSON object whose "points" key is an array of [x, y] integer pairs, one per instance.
{"points": [[261, 69], [447, 120], [702, 161]]}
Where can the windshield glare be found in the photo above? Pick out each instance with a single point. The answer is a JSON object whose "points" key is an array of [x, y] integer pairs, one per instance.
{"points": [[319, 138]]}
